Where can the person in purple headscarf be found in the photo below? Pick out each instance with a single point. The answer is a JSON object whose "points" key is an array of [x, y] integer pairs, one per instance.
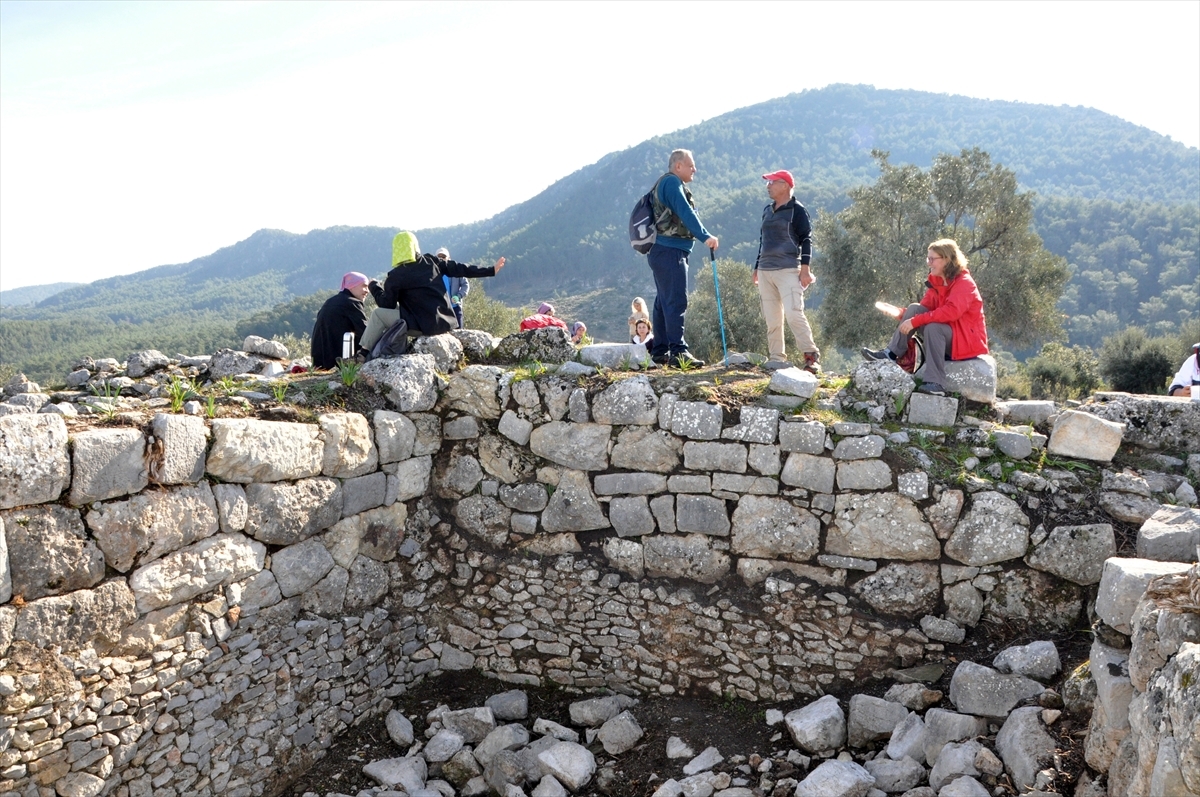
{"points": [[343, 312]]}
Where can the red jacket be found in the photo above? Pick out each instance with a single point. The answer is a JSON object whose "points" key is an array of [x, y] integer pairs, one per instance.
{"points": [[959, 305], [538, 321]]}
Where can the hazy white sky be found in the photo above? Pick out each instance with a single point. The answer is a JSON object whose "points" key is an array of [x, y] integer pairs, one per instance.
{"points": [[140, 134]]}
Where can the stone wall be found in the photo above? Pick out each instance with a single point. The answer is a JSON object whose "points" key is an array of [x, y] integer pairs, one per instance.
{"points": [[200, 607]]}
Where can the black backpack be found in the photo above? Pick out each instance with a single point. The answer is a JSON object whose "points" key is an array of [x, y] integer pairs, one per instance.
{"points": [[393, 343], [642, 232]]}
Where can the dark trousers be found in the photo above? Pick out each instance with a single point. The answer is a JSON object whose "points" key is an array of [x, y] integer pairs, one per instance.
{"points": [[457, 308], [937, 337], [669, 266]]}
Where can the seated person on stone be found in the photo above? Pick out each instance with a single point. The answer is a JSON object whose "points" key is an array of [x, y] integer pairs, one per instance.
{"points": [[950, 317], [1189, 375], [544, 317], [638, 312], [414, 291], [578, 330], [642, 334], [343, 312]]}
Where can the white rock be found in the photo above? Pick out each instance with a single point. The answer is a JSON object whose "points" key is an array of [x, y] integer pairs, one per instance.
{"points": [[819, 726], [1084, 436]]}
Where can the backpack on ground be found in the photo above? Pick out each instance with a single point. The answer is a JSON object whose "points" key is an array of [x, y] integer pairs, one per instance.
{"points": [[642, 232], [393, 343]]}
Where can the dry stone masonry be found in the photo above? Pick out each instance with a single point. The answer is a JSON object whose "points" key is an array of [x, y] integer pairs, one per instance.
{"points": [[199, 607]]}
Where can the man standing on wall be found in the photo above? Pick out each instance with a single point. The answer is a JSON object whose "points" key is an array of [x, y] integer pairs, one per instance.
{"points": [[782, 273], [677, 227]]}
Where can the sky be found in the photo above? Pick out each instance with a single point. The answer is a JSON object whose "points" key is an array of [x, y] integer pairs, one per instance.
{"points": [[137, 134]]}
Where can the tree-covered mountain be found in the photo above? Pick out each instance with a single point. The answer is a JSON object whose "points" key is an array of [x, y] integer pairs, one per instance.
{"points": [[1120, 202], [15, 297]]}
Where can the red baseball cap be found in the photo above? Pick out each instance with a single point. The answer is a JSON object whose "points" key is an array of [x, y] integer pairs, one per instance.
{"points": [[782, 174]]}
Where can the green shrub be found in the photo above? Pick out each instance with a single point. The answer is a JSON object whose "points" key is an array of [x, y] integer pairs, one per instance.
{"points": [[483, 312], [1135, 363], [1059, 372]]}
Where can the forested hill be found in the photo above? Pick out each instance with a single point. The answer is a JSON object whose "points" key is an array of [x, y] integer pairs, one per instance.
{"points": [[1100, 180]]}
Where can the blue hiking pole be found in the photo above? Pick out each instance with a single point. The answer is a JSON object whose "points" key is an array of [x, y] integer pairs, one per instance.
{"points": [[712, 256]]}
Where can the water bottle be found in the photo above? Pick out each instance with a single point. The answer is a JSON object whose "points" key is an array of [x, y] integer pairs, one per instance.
{"points": [[348, 346]]}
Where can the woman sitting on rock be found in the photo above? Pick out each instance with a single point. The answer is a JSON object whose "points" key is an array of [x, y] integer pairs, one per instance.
{"points": [[950, 317]]}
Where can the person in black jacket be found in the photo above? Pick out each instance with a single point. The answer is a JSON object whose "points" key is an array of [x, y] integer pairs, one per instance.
{"points": [[415, 292], [343, 312]]}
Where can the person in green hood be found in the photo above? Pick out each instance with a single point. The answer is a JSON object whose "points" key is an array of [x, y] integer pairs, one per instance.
{"points": [[415, 292]]}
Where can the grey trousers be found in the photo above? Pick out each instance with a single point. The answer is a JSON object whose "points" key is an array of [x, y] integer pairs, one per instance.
{"points": [[937, 338]]}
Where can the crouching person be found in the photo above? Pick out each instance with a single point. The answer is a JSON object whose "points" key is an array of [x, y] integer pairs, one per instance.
{"points": [[950, 317], [343, 312], [414, 291]]}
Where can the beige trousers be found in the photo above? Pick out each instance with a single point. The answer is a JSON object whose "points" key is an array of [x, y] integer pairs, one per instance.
{"points": [[783, 298], [381, 321]]}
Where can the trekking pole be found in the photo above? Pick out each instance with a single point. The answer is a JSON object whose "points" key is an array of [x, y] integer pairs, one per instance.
{"points": [[712, 256]]}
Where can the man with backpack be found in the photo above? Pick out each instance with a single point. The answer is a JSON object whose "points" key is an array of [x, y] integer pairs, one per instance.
{"points": [[677, 227]]}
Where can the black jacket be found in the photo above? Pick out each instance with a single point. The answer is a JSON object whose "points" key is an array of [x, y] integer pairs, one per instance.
{"points": [[417, 291], [785, 240], [340, 314]]}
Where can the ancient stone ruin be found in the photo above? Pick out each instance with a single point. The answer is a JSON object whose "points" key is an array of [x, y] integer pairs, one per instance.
{"points": [[199, 606]]}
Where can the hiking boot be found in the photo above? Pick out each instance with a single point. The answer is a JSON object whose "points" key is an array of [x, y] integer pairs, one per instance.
{"points": [[776, 365], [660, 359], [812, 362], [685, 360], [882, 354], [932, 388]]}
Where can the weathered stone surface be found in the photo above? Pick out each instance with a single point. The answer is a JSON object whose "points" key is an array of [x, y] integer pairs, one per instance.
{"points": [[227, 362], [268, 348], [446, 351], [1024, 746], [914, 485], [696, 420], [619, 734], [411, 479], [232, 508], [942, 630], [1013, 444], [943, 515], [756, 425], [149, 525], [964, 604], [993, 530], [458, 475], [107, 463], [409, 773], [1128, 507], [628, 402], [283, 514], [1154, 422], [1035, 599], [909, 735], [184, 574], [349, 445], [901, 589], [956, 761], [1076, 553], [363, 492], [702, 514], [245, 450], [614, 355], [409, 383], [545, 345], [529, 497], [809, 472], [631, 484], [144, 362], [509, 706], [571, 764], [835, 777], [1036, 660], [819, 726], [630, 517], [573, 507], [764, 459], [866, 474], [974, 379], [49, 551], [794, 382], [728, 457], [506, 461], [299, 567], [1171, 534], [177, 455], [254, 593], [983, 692], [1085, 436], [1033, 412], [395, 436], [368, 584], [895, 776], [477, 344], [464, 427], [942, 727], [803, 438], [484, 517], [514, 427], [376, 533], [1122, 584], [773, 528], [327, 597], [883, 382], [927, 410], [645, 448], [880, 526], [872, 719], [867, 447], [78, 620], [690, 557], [626, 556], [583, 446]]}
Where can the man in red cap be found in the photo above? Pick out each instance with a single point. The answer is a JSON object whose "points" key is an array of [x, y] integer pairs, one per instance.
{"points": [[782, 272]]}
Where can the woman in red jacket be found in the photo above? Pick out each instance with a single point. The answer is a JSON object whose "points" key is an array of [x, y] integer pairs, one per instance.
{"points": [[950, 316]]}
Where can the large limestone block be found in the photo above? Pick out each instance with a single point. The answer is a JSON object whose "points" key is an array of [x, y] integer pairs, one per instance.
{"points": [[1031, 412], [626, 555], [484, 517], [445, 349], [927, 410], [1085, 436], [1076, 553], [794, 382], [1035, 599], [143, 362], [614, 355], [1128, 507], [573, 507], [995, 529], [246, 450], [943, 727], [177, 451], [363, 492], [1122, 584], [880, 526], [804, 438], [809, 472], [284, 514], [299, 567], [983, 692], [395, 436], [836, 777], [376, 533], [628, 402], [864, 474], [883, 382], [819, 726], [349, 446], [727, 457], [184, 574], [151, 524], [476, 390], [630, 516], [872, 719], [1171, 534], [85, 618], [35, 466], [974, 379], [506, 461], [570, 763], [409, 383], [108, 463], [583, 446], [696, 420], [646, 448], [545, 345], [49, 551], [859, 447], [1154, 422], [772, 528], [691, 557], [756, 425], [702, 514], [906, 590]]}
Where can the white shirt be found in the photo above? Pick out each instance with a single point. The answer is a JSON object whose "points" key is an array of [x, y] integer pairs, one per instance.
{"points": [[1189, 373]]}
